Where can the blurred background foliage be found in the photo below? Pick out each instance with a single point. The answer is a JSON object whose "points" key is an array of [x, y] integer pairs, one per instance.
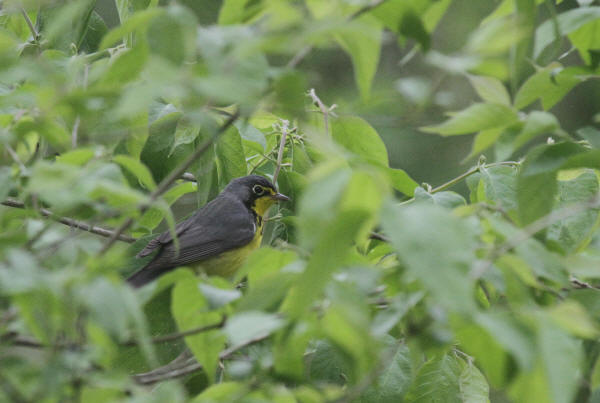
{"points": [[442, 241]]}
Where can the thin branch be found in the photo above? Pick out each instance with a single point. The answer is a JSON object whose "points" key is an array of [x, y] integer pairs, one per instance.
{"points": [[470, 172], [180, 335], [34, 32], [323, 108], [15, 157], [71, 222], [74, 132], [168, 181], [187, 364], [285, 127]]}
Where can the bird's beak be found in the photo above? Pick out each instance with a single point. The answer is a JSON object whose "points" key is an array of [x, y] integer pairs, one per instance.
{"points": [[280, 197]]}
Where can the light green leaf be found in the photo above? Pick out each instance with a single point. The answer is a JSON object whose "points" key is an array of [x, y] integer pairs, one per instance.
{"points": [[363, 45], [574, 232], [490, 89], [246, 326], [360, 138], [138, 21], [500, 184], [230, 156], [573, 318], [549, 84], [568, 22], [476, 117], [437, 248], [561, 355], [402, 181], [394, 379], [483, 140], [138, 169], [190, 309], [537, 123]]}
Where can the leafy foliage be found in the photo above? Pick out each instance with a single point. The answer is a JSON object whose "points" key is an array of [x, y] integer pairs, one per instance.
{"points": [[368, 287]]}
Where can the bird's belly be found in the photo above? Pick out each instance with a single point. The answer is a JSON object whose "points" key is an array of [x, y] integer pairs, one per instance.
{"points": [[227, 263]]}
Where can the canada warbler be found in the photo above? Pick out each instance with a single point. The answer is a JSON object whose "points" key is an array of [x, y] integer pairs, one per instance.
{"points": [[218, 237]]}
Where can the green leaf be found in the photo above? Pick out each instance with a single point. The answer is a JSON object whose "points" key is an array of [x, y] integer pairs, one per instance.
{"points": [[412, 26], [437, 248], [500, 184], [230, 156], [247, 326], [232, 12], [537, 123], [568, 22], [363, 44], [125, 66], [222, 392], [454, 380], [536, 183], [572, 317], [172, 36], [490, 89], [139, 21], [483, 140], [446, 199], [139, 170], [561, 355], [575, 231], [549, 84], [476, 117], [154, 216], [190, 310], [394, 379], [402, 181], [360, 138]]}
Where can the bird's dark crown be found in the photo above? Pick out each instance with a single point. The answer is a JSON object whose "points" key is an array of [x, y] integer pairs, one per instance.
{"points": [[243, 187]]}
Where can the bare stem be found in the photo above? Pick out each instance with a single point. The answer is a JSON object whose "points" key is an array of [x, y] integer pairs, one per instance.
{"points": [[187, 364], [285, 127], [71, 222], [34, 32], [323, 108]]}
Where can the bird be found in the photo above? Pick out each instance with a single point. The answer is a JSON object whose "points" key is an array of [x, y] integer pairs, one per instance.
{"points": [[218, 237]]}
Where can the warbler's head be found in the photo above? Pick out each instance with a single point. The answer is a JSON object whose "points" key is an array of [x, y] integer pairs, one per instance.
{"points": [[256, 192]]}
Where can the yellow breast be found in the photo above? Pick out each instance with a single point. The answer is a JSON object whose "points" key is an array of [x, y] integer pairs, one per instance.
{"points": [[227, 263]]}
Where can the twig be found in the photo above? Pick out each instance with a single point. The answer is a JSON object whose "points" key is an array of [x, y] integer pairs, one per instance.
{"points": [[172, 177], [34, 32], [285, 126], [470, 172], [74, 132], [323, 108], [71, 222], [15, 157], [180, 335], [189, 364]]}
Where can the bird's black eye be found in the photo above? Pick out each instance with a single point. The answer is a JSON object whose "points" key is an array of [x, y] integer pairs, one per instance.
{"points": [[258, 190]]}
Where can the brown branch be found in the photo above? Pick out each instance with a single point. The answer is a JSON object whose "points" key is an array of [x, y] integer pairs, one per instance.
{"points": [[180, 335], [168, 181], [186, 364], [71, 222]]}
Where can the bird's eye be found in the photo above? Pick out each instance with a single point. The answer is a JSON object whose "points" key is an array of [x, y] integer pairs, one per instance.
{"points": [[258, 190]]}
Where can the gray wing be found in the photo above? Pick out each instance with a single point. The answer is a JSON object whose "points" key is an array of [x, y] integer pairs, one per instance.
{"points": [[221, 225]]}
